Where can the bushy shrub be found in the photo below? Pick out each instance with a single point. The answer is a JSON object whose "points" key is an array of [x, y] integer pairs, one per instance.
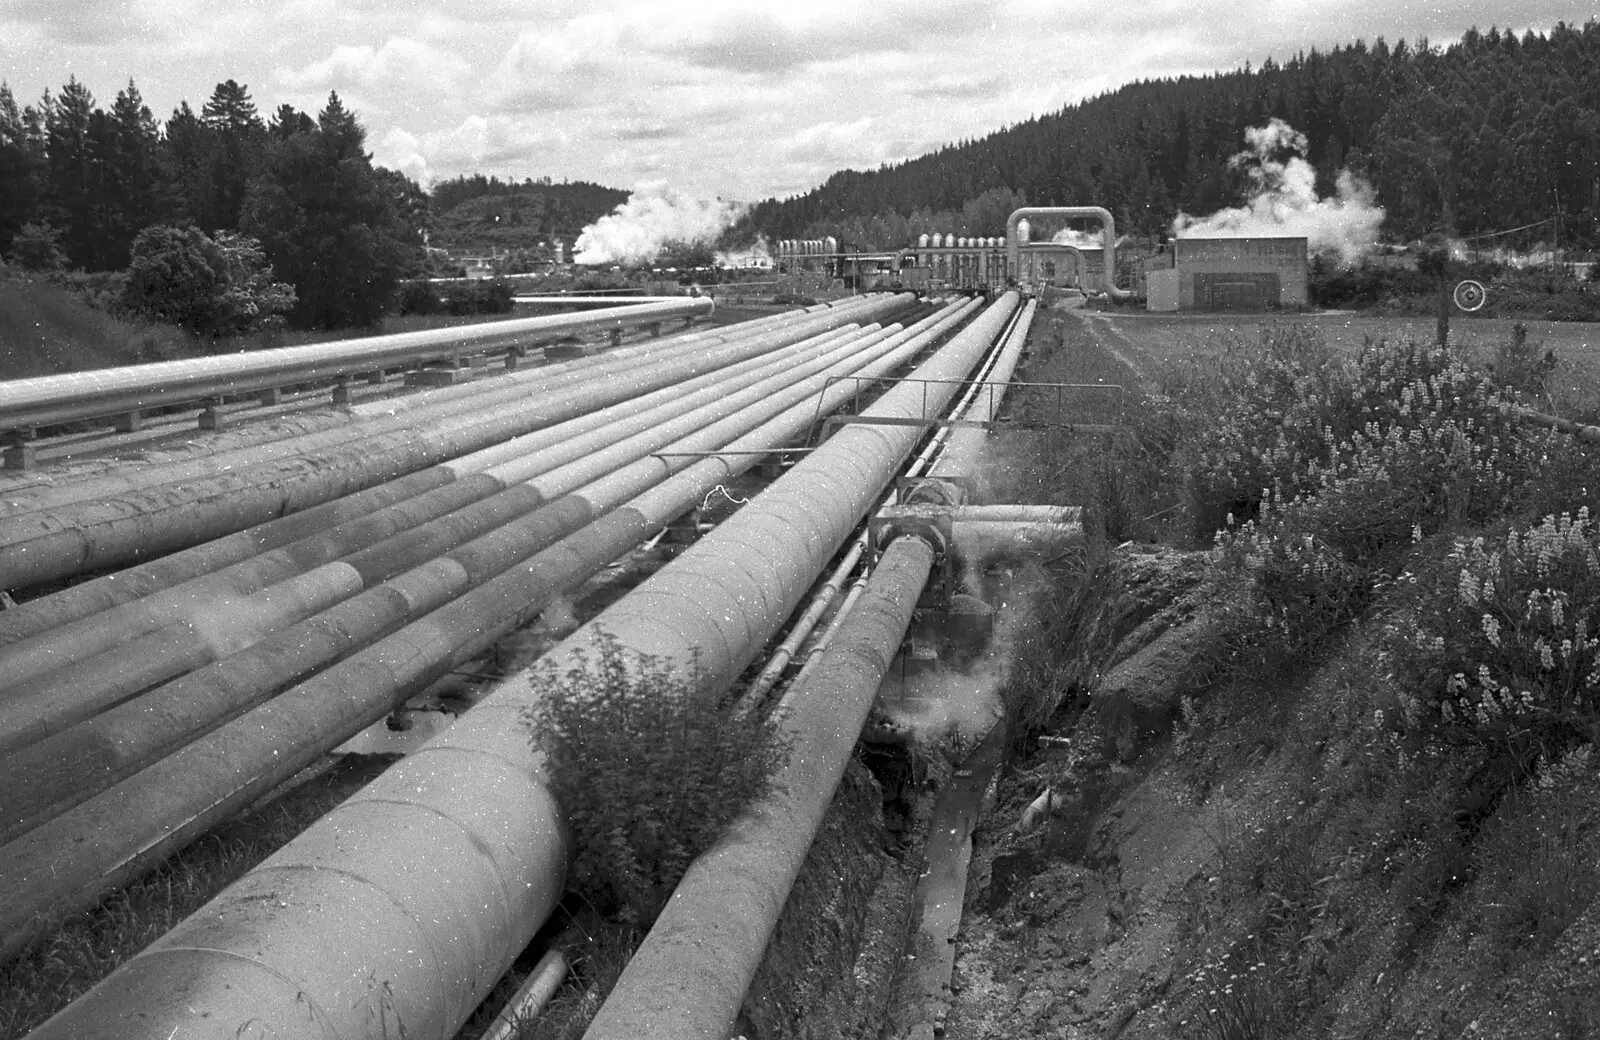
{"points": [[418, 297], [37, 247], [1261, 413], [478, 297], [210, 286], [1498, 645], [1433, 448], [648, 773]]}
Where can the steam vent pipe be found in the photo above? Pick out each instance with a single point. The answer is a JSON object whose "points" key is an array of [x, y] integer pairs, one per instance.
{"points": [[400, 909], [1108, 239], [689, 977]]}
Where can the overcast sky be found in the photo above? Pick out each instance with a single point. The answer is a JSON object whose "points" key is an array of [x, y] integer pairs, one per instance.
{"points": [[731, 98]]}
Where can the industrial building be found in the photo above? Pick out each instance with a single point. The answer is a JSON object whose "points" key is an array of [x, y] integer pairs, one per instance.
{"points": [[1228, 274]]}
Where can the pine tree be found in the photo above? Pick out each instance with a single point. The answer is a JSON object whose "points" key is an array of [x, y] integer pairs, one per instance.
{"points": [[70, 158], [327, 222], [21, 171], [237, 133]]}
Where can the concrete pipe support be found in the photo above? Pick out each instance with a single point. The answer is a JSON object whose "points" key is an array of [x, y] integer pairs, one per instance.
{"points": [[727, 594]]}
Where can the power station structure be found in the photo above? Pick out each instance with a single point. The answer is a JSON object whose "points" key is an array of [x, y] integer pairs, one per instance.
{"points": [[1190, 274], [1228, 274]]}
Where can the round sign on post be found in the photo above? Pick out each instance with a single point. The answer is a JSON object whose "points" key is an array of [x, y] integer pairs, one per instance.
{"points": [[1470, 295]]}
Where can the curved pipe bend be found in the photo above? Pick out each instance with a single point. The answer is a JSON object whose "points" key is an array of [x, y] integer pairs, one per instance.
{"points": [[1108, 238]]}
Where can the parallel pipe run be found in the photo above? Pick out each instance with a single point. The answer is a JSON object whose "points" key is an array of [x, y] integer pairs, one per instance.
{"points": [[778, 662], [302, 432], [64, 769], [45, 400], [689, 977], [439, 510], [437, 933], [50, 613], [41, 547], [174, 800], [963, 449], [74, 691]]}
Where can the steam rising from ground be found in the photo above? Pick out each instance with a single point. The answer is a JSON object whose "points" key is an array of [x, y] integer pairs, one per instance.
{"points": [[757, 255], [653, 216], [1283, 200]]}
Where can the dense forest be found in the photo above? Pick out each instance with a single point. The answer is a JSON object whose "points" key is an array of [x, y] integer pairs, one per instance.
{"points": [[80, 185], [1491, 133]]}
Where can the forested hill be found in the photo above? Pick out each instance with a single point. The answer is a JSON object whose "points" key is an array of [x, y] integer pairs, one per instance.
{"points": [[478, 213], [1487, 134]]}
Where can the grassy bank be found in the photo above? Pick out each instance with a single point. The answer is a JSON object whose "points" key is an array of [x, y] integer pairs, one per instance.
{"points": [[1327, 756]]}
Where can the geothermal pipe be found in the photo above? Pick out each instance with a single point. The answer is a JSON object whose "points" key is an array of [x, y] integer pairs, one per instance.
{"points": [[689, 977], [964, 447], [67, 765], [32, 710], [230, 767], [45, 400], [1108, 239], [286, 533], [101, 533], [778, 660], [305, 431], [481, 484], [375, 941]]}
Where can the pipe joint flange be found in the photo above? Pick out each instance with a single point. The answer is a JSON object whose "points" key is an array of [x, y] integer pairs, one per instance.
{"points": [[930, 523], [947, 492]]}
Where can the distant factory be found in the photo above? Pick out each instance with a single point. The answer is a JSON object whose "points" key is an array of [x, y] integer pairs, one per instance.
{"points": [[1189, 274]]}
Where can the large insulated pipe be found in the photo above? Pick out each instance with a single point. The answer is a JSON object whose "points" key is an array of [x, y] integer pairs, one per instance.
{"points": [[963, 448], [473, 797], [131, 825], [689, 977], [480, 477], [44, 400], [62, 769], [40, 547], [50, 613], [298, 433], [1108, 239]]}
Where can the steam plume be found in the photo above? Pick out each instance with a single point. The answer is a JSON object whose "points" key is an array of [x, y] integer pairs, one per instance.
{"points": [[653, 216], [1283, 200]]}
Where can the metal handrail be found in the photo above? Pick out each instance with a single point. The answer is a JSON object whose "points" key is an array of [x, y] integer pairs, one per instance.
{"points": [[49, 400]]}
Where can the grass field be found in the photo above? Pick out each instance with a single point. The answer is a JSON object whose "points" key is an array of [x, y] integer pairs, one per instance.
{"points": [[1183, 337]]}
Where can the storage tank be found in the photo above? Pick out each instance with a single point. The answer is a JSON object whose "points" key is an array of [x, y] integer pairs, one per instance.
{"points": [[922, 240]]}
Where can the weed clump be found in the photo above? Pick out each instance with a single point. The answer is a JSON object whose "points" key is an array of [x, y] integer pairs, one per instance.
{"points": [[649, 773]]}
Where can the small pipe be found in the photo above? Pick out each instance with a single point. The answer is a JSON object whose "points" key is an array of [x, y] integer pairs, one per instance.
{"points": [[756, 693], [530, 998]]}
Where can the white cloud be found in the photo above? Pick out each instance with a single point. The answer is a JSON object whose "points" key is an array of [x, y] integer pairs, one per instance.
{"points": [[742, 98]]}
